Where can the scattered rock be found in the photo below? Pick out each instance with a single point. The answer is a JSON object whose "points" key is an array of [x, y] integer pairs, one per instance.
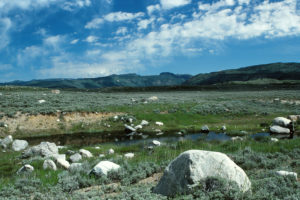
{"points": [[116, 118], [103, 167], [156, 143], [59, 156], [294, 118], [45, 149], [75, 167], [49, 164], [223, 128], [19, 145], [129, 128], [286, 173], [25, 168], [160, 133], [85, 153], [138, 127], [274, 140], [205, 129], [101, 155], [153, 98], [63, 163], [192, 166], [144, 123], [281, 121], [129, 155], [159, 123], [55, 91], [42, 101], [111, 151], [237, 138], [97, 147], [6, 141], [279, 130], [75, 158]]}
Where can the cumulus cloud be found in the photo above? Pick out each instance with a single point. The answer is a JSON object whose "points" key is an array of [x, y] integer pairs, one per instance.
{"points": [[71, 5], [122, 31], [7, 5], [169, 4], [153, 8], [113, 17]]}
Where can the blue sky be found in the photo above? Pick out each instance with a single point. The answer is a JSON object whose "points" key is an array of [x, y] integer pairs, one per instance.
{"points": [[42, 39]]}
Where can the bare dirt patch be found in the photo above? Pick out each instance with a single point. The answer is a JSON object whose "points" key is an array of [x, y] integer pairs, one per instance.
{"points": [[36, 123]]}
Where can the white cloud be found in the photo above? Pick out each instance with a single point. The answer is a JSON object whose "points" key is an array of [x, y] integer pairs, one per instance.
{"points": [[71, 5], [122, 16], [91, 39], [7, 5], [4, 67], [143, 24], [113, 17], [169, 4], [122, 31], [153, 8], [5, 26], [75, 41]]}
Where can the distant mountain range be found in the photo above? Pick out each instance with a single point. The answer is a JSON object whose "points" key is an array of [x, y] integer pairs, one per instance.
{"points": [[125, 80], [260, 74]]}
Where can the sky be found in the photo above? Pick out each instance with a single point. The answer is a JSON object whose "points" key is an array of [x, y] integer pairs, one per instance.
{"points": [[42, 39]]}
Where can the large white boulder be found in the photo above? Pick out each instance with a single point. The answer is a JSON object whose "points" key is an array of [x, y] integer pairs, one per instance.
{"points": [[75, 158], [49, 164], [103, 167], [279, 130], [190, 167], [25, 168], [281, 121], [6, 141], [45, 149], [85, 153], [19, 145]]}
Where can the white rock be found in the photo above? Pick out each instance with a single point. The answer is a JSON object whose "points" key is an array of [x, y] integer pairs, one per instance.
{"points": [[156, 143], [75, 158], [205, 128], [153, 98], [281, 121], [42, 101], [25, 168], [49, 164], [63, 163], [286, 173], [6, 141], [144, 123], [45, 149], [193, 166], [101, 155], [159, 123], [111, 151], [116, 118], [59, 156], [19, 145], [294, 118], [130, 120], [75, 167], [129, 155], [97, 147], [85, 153], [138, 127], [237, 138], [103, 167], [274, 140], [279, 130], [130, 128], [223, 128], [160, 133]]}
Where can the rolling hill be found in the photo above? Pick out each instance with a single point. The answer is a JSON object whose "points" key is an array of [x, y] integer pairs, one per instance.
{"points": [[258, 74]]}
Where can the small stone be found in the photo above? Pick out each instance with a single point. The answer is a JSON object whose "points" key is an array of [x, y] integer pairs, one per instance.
{"points": [[144, 123], [129, 155], [42, 101], [25, 168], [85, 153], [286, 173], [49, 164], [75, 158], [159, 123], [237, 138], [63, 163], [6, 141], [129, 128], [156, 143], [103, 167], [274, 140], [153, 98], [19, 145], [205, 129], [138, 127], [223, 128], [111, 151]]}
